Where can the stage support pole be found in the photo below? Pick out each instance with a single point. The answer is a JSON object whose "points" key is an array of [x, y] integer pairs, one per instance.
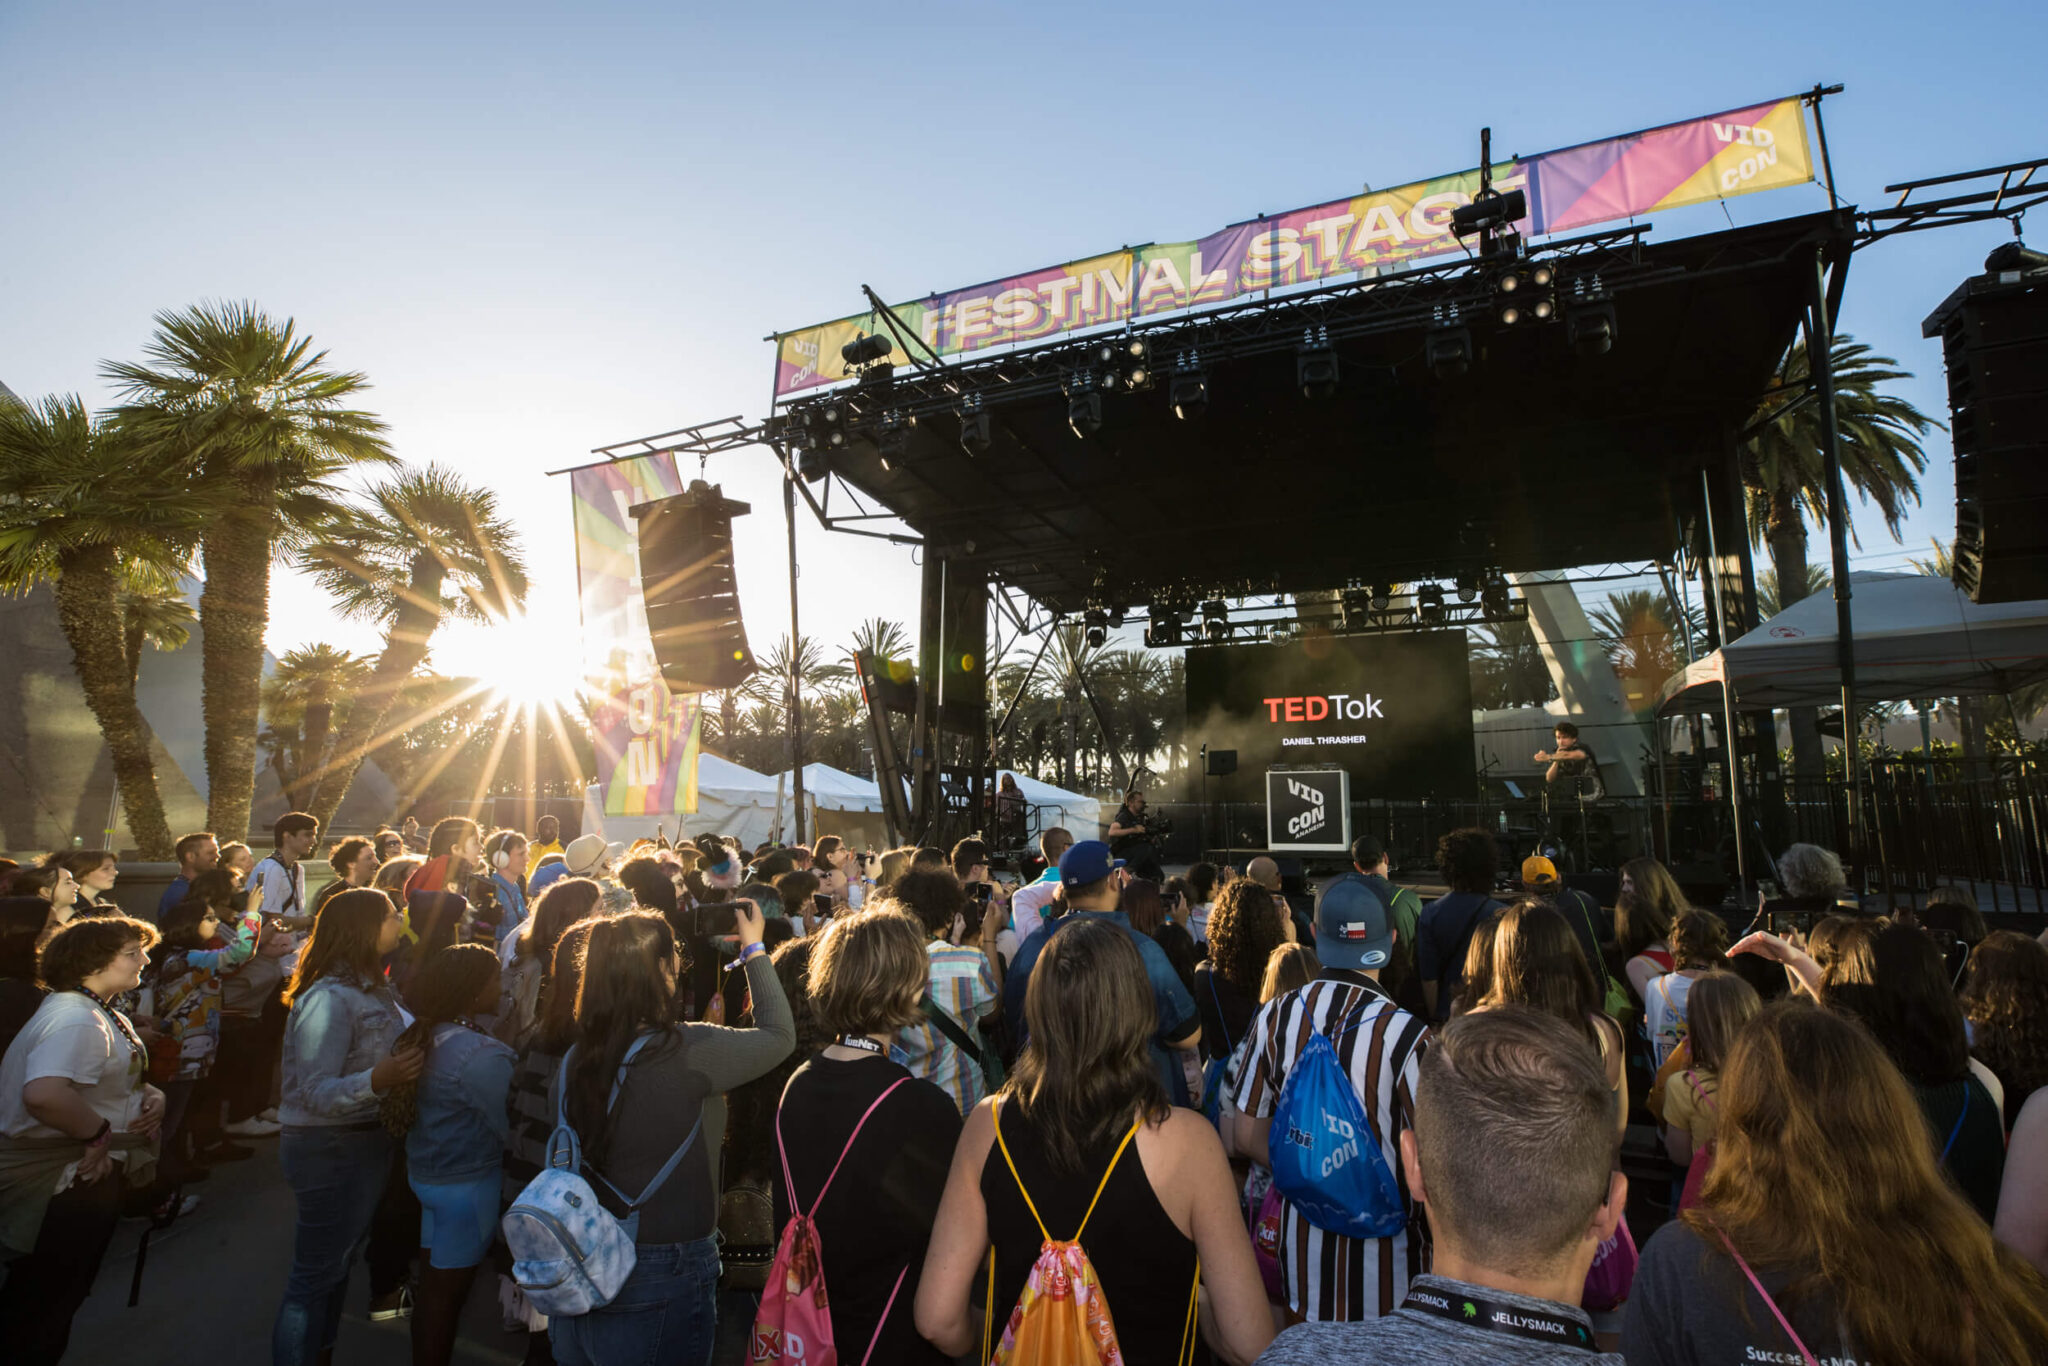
{"points": [[1731, 748], [796, 682], [1820, 346]]}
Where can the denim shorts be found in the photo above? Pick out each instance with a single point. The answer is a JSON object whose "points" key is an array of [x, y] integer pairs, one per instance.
{"points": [[458, 1219]]}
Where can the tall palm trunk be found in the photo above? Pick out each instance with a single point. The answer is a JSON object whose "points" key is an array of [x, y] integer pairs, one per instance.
{"points": [[1785, 531], [405, 646], [86, 601], [314, 732], [233, 609]]}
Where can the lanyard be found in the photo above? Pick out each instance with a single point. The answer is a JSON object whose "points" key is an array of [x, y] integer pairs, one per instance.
{"points": [[127, 1030], [861, 1042], [1495, 1317]]}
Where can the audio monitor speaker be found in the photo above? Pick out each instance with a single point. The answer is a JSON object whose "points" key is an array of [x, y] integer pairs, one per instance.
{"points": [[686, 580]]}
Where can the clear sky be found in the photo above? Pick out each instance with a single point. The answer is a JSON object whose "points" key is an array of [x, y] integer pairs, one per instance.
{"points": [[539, 228]]}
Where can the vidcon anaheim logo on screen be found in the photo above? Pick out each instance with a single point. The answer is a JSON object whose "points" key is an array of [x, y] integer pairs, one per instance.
{"points": [[1336, 706]]}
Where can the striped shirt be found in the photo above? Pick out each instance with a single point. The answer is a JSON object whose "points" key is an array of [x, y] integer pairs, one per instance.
{"points": [[1329, 1277], [964, 986]]}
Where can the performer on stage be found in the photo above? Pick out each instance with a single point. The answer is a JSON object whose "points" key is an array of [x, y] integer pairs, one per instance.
{"points": [[1572, 780], [1130, 841]]}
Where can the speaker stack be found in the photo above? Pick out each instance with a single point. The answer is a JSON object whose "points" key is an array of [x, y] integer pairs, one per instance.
{"points": [[1994, 341], [686, 580]]}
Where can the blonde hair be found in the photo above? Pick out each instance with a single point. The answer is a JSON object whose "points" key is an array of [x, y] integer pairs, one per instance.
{"points": [[868, 973], [1287, 967]]}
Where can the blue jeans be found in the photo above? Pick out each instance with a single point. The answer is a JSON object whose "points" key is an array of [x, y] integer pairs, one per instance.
{"points": [[337, 1175], [666, 1314]]}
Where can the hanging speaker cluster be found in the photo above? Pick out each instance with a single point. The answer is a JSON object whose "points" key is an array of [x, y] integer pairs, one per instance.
{"points": [[692, 597]]}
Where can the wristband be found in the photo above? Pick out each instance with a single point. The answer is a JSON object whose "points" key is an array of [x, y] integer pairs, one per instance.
{"points": [[101, 1135], [754, 950]]}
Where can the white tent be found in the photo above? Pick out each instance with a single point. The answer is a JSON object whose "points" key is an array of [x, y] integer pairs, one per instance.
{"points": [[834, 789], [838, 800], [731, 800], [1916, 636]]}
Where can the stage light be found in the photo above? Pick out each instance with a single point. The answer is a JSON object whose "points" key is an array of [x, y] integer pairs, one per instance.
{"points": [[1468, 587], [812, 464], [892, 442], [865, 350], [1315, 364], [1589, 322], [1084, 413], [1429, 604], [1382, 594], [1448, 351], [1510, 314], [1493, 598], [1095, 624], [1356, 604], [1540, 275], [1139, 348], [1492, 210], [974, 433], [1215, 619], [1189, 392], [1116, 618], [1162, 626]]}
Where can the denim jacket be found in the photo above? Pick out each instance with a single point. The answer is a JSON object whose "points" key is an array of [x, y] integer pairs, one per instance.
{"points": [[462, 1122], [339, 1029]]}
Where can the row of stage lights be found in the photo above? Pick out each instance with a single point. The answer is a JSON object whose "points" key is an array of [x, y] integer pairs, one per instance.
{"points": [[1362, 609], [1525, 295]]}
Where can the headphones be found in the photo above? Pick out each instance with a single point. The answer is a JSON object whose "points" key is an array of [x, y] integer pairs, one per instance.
{"points": [[499, 858]]}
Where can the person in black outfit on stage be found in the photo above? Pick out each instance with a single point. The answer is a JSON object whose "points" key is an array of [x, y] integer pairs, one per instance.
{"points": [[1131, 841], [1572, 779]]}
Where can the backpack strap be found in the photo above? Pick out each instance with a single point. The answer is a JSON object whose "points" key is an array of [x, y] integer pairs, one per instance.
{"points": [[790, 1181], [1223, 1024], [1776, 1312], [997, 1116], [1957, 1132], [950, 1027], [565, 1149]]}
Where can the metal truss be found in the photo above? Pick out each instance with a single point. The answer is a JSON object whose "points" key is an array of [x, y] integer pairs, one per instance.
{"points": [[1995, 192], [1336, 619]]}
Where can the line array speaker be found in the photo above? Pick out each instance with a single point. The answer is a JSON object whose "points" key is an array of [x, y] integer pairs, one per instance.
{"points": [[686, 580]]}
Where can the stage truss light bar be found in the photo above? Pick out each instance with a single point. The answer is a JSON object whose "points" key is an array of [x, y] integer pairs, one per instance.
{"points": [[1334, 620]]}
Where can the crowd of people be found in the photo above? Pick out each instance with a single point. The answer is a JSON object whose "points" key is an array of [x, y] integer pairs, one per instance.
{"points": [[1078, 1115]]}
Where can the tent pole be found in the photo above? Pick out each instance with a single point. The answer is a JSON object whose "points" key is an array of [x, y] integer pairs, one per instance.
{"points": [[1820, 346], [1729, 745]]}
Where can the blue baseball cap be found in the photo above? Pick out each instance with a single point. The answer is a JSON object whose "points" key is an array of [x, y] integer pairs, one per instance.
{"points": [[1351, 926], [1087, 862]]}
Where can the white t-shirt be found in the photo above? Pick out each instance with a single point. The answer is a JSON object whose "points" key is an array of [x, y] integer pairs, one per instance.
{"points": [[1027, 907], [1664, 1012], [72, 1037]]}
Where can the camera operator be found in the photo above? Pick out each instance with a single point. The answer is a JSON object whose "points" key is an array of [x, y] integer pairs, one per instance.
{"points": [[1131, 837]]}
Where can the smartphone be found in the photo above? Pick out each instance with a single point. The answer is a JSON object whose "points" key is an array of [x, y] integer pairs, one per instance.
{"points": [[1785, 922], [718, 917], [821, 903], [983, 891]]}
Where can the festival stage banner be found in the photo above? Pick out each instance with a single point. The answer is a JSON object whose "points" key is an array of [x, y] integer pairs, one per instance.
{"points": [[1763, 147], [646, 738]]}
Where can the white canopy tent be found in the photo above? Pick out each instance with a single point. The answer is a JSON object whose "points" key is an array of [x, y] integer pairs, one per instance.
{"points": [[844, 804], [731, 800], [1916, 636]]}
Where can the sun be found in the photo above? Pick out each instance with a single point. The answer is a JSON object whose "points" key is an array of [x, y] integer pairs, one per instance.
{"points": [[523, 667]]}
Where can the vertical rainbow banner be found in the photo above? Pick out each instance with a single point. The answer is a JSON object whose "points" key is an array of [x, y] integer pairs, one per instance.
{"points": [[646, 738], [1762, 147]]}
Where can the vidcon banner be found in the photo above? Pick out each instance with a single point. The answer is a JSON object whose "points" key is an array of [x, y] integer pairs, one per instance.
{"points": [[1759, 148], [645, 737]]}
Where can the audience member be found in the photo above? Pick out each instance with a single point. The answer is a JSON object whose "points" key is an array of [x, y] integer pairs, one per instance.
{"points": [[355, 863], [547, 840], [2005, 1001], [1512, 1155], [1699, 945], [54, 885], [239, 859], [184, 985], [505, 855], [1245, 928], [196, 853], [1028, 903], [1371, 863], [746, 1214], [1690, 1111], [1328, 1276], [338, 1062], [1591, 925], [389, 844], [1538, 963], [672, 1096], [1050, 1159], [1799, 1248], [454, 1124], [1089, 888], [1844, 948], [1202, 879], [26, 922], [960, 984], [565, 902], [95, 871], [2022, 1222], [1466, 859], [77, 1126], [1646, 907], [1288, 967], [864, 1143]]}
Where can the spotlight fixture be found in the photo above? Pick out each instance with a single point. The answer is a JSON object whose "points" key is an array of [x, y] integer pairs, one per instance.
{"points": [[865, 350], [1490, 210], [1468, 587], [1215, 619], [1095, 623], [1525, 293], [1382, 594], [1162, 626], [1589, 322], [1188, 391], [1429, 604], [812, 464], [1116, 618], [1448, 351], [1084, 413], [892, 441], [974, 432], [1356, 604], [1315, 364], [1493, 598]]}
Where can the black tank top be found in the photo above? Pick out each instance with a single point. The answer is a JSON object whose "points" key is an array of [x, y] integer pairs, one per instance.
{"points": [[1146, 1264]]}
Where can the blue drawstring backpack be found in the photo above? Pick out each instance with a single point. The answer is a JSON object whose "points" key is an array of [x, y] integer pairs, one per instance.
{"points": [[1326, 1161]]}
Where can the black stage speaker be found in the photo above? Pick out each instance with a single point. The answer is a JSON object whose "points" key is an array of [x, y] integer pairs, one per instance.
{"points": [[1994, 341], [686, 579], [1222, 763], [954, 640]]}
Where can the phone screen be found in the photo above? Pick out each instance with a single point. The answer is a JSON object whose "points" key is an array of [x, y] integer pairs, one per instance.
{"points": [[821, 903]]}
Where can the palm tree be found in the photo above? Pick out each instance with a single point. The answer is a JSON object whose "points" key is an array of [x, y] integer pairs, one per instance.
{"points": [[249, 410], [1940, 562], [153, 612], [79, 507], [424, 547], [300, 697], [1771, 599], [809, 665], [879, 637]]}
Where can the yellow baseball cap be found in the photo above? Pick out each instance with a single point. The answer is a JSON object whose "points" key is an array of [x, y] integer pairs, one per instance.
{"points": [[1537, 869]]}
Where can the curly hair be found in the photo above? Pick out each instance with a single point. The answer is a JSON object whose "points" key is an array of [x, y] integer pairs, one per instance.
{"points": [[1244, 929], [1468, 860], [2005, 998], [1699, 939]]}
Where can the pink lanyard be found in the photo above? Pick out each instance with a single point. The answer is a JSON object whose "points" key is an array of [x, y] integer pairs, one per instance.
{"points": [[1776, 1312]]}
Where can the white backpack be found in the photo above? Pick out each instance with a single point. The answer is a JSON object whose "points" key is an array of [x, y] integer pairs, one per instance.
{"points": [[570, 1254]]}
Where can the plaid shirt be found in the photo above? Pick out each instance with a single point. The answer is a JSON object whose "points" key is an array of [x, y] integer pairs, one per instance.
{"points": [[963, 985]]}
